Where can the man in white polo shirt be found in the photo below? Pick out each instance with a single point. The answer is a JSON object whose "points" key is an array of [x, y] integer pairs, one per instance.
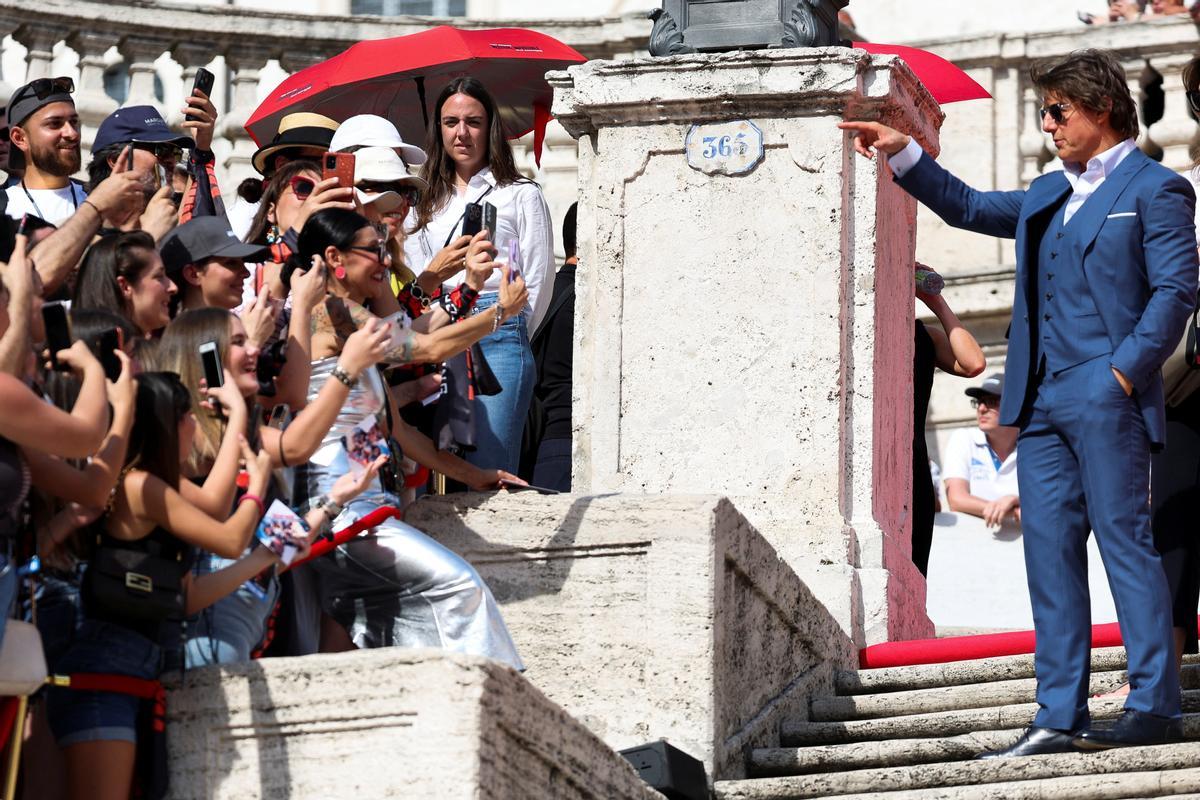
{"points": [[980, 464]]}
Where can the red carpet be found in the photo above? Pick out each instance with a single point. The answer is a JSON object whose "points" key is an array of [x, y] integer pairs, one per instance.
{"points": [[966, 648]]}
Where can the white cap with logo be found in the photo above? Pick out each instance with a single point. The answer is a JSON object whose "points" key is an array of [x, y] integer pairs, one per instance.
{"points": [[370, 130]]}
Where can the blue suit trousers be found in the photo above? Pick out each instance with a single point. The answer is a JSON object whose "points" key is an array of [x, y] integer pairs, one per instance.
{"points": [[1085, 466]]}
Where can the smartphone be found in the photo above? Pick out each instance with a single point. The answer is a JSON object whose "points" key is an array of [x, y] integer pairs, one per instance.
{"points": [[281, 415], [31, 223], [106, 343], [340, 166], [472, 219], [489, 220], [58, 331], [210, 362], [129, 158], [204, 82], [339, 317], [518, 487], [514, 259]]}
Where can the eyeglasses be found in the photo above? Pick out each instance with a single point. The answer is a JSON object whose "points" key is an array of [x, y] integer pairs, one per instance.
{"points": [[411, 194], [44, 87], [380, 250], [1055, 110], [302, 187], [1193, 98], [163, 151], [985, 402]]}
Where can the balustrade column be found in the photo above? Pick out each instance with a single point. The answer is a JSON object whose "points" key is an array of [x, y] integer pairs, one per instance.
{"points": [[140, 53], [1135, 73], [39, 39], [245, 62], [91, 101], [1032, 141], [1176, 130]]}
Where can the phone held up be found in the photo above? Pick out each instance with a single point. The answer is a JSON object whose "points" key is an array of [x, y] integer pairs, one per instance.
{"points": [[204, 82], [210, 363], [58, 331], [489, 221], [340, 166], [472, 219], [107, 342], [31, 223]]}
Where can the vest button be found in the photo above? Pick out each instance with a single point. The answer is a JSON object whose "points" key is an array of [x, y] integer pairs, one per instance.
{"points": [[1049, 276], [1049, 296], [1046, 317], [1058, 235], [1054, 255]]}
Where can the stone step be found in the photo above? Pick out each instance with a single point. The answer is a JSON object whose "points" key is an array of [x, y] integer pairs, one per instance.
{"points": [[949, 698], [954, 723], [780, 761], [1130, 771], [960, 673]]}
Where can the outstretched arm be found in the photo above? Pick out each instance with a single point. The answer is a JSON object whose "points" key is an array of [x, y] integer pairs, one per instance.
{"points": [[991, 213]]}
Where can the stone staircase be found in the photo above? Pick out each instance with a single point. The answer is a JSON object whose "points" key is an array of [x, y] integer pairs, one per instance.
{"points": [[909, 733]]}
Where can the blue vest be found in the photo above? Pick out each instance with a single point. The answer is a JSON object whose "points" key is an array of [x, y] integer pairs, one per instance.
{"points": [[1068, 329]]}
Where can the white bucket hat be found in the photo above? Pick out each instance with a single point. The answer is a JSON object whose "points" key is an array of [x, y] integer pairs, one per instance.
{"points": [[369, 130], [382, 165]]}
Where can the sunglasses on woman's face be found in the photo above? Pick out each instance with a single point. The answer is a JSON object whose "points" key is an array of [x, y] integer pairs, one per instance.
{"points": [[302, 187], [379, 250], [410, 194]]}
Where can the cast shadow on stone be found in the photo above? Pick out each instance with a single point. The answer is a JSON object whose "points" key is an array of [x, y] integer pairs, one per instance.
{"points": [[517, 573]]}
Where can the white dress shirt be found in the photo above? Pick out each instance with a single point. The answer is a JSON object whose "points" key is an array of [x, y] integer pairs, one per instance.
{"points": [[1084, 182], [521, 214]]}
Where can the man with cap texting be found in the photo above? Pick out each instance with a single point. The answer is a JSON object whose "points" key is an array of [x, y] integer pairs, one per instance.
{"points": [[980, 464], [44, 139], [206, 261], [156, 148]]}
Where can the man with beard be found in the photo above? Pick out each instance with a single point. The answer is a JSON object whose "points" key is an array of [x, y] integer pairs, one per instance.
{"points": [[44, 136], [156, 148]]}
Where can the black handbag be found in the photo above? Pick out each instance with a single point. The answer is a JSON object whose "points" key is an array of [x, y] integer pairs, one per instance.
{"points": [[140, 581]]}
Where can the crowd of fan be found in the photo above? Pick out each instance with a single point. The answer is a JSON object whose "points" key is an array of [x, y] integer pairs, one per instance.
{"points": [[197, 416]]}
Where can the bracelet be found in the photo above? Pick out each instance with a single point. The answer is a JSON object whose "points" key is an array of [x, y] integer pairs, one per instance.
{"points": [[499, 318], [419, 294], [262, 509], [344, 377], [87, 202]]}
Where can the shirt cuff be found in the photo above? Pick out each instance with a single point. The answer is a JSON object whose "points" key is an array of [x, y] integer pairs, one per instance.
{"points": [[906, 159]]}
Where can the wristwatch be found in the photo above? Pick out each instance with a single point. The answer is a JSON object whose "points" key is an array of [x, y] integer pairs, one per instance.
{"points": [[332, 509]]}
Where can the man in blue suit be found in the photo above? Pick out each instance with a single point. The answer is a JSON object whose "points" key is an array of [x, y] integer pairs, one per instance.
{"points": [[1106, 277]]}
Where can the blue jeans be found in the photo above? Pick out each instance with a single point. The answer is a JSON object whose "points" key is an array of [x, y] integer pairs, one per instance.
{"points": [[500, 418], [228, 631]]}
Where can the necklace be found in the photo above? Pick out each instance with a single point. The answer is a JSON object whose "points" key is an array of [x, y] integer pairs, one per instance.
{"points": [[32, 202]]}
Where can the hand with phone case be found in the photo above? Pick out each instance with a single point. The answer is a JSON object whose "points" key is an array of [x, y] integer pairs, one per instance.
{"points": [[339, 166], [57, 324], [200, 115], [480, 261]]}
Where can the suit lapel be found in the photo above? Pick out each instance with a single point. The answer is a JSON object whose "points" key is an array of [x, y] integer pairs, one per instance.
{"points": [[1090, 217], [1044, 195]]}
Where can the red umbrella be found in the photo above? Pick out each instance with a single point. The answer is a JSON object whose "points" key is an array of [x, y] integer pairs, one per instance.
{"points": [[398, 78], [944, 80]]}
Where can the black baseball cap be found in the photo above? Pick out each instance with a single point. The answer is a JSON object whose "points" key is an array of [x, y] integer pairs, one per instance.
{"points": [[142, 124], [202, 238], [992, 385], [38, 93]]}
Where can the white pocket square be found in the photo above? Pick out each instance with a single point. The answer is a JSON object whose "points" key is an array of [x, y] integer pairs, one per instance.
{"points": [[1123, 214]]}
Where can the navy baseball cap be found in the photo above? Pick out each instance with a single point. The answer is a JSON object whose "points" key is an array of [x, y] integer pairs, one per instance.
{"points": [[141, 124]]}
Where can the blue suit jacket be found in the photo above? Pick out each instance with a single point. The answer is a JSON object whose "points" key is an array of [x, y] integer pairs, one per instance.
{"points": [[1137, 242]]}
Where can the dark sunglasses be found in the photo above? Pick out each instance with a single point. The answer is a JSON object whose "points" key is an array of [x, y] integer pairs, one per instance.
{"points": [[380, 250], [410, 194], [302, 187], [1055, 110], [985, 402], [1193, 98], [163, 151], [44, 87]]}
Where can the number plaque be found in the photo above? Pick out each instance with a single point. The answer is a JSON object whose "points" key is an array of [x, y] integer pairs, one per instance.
{"points": [[724, 148]]}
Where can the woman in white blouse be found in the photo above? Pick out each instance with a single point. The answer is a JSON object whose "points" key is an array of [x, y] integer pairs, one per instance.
{"points": [[470, 161]]}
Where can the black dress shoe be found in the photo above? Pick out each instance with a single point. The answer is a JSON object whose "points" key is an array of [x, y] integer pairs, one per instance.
{"points": [[1132, 729], [1035, 742]]}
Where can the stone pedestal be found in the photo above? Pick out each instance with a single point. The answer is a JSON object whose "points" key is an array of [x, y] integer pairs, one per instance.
{"points": [[382, 723], [751, 334], [650, 617]]}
